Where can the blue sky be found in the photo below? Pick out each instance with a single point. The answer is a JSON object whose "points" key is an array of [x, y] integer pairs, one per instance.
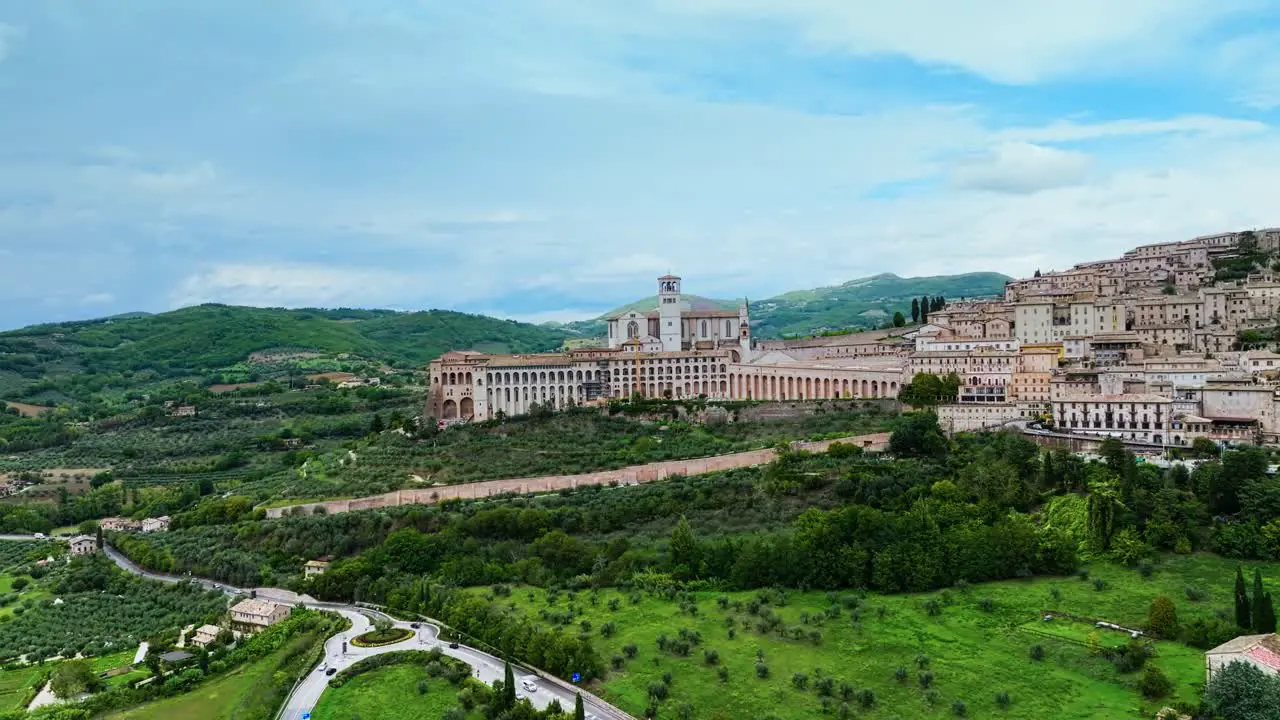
{"points": [[547, 159]]}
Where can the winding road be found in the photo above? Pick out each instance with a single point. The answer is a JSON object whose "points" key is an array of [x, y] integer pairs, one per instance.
{"points": [[340, 653]]}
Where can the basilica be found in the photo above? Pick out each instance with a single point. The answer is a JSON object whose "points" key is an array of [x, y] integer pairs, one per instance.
{"points": [[673, 351]]}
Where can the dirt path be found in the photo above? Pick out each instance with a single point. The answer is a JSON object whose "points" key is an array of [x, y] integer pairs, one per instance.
{"points": [[632, 475]]}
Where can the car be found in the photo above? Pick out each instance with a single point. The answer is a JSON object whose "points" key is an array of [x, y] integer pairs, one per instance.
{"points": [[331, 671], [415, 626], [39, 535], [323, 667], [453, 646], [530, 686]]}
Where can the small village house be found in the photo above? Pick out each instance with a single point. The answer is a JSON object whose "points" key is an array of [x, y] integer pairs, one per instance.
{"points": [[118, 524], [253, 615], [314, 568], [156, 524], [84, 545], [205, 634], [1261, 651]]}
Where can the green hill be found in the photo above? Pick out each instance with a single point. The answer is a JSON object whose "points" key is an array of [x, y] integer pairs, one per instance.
{"points": [[862, 303], [76, 359], [858, 304]]}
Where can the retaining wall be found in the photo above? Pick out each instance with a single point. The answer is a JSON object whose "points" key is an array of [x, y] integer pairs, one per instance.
{"points": [[631, 475]]}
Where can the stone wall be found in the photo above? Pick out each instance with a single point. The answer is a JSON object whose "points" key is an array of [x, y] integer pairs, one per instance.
{"points": [[631, 475]]}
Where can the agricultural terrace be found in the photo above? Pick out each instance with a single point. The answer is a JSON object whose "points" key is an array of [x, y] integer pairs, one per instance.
{"points": [[961, 645]]}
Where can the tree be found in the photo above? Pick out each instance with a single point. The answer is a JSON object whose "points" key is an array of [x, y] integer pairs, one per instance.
{"points": [[1243, 611], [1241, 691], [917, 435], [376, 426], [684, 547], [1261, 611], [915, 310], [1037, 273], [924, 309], [71, 678], [1162, 618], [99, 539], [579, 712], [899, 320], [508, 699]]}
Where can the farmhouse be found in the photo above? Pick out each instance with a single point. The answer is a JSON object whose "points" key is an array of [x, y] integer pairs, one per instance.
{"points": [[118, 524], [1261, 651], [205, 634], [315, 567], [253, 615], [83, 545], [155, 524]]}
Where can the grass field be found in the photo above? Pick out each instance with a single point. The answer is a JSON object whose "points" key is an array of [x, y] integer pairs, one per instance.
{"points": [[14, 685], [216, 700], [972, 653], [388, 693]]}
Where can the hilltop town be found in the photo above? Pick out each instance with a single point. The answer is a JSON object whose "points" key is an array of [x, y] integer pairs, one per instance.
{"points": [[1160, 347]]}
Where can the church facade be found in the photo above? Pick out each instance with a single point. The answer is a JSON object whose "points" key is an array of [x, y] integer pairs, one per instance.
{"points": [[673, 351]]}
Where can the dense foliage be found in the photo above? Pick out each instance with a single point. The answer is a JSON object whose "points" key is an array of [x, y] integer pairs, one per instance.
{"points": [[100, 609]]}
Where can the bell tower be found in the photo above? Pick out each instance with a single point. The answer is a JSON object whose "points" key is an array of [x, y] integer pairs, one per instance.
{"points": [[669, 322]]}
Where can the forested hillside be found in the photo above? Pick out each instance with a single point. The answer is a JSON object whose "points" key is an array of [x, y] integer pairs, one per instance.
{"points": [[858, 304], [73, 360]]}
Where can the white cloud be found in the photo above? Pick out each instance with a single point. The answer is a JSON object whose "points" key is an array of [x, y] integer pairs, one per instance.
{"points": [[9, 36], [99, 298], [1071, 131], [292, 286], [1009, 41], [1020, 167]]}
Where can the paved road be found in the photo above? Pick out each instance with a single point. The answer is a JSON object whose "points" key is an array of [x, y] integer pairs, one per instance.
{"points": [[487, 667]]}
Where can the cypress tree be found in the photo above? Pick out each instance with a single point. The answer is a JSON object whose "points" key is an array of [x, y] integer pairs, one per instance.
{"points": [[924, 308], [1258, 607], [1242, 602], [915, 310], [100, 541], [1267, 623], [579, 712], [508, 687]]}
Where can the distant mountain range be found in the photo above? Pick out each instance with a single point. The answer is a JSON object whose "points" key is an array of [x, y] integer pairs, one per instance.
{"points": [[56, 361], [863, 303]]}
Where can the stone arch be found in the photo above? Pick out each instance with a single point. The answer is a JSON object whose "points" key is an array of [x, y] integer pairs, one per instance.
{"points": [[864, 389], [469, 379], [450, 410], [633, 330], [893, 389], [724, 387], [453, 378], [875, 388], [704, 328], [466, 407], [808, 388], [844, 387]]}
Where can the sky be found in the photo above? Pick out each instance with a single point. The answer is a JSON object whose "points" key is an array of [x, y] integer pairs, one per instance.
{"points": [[548, 159]]}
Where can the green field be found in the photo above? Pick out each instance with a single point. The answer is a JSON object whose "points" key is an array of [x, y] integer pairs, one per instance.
{"points": [[221, 698], [388, 693], [972, 653], [14, 685]]}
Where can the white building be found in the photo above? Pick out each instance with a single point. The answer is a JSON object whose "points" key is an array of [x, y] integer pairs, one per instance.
{"points": [[253, 615], [84, 545], [1261, 651], [155, 524]]}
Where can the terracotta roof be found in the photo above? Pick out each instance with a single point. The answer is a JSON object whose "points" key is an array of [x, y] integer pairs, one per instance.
{"points": [[1263, 656]]}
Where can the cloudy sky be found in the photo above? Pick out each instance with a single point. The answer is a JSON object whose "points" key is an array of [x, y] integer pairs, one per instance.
{"points": [[546, 159]]}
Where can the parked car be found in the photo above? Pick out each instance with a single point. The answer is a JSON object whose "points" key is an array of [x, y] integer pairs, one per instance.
{"points": [[415, 626], [330, 671], [530, 686], [453, 646]]}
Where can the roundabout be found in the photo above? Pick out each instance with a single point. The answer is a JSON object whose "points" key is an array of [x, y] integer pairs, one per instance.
{"points": [[381, 637]]}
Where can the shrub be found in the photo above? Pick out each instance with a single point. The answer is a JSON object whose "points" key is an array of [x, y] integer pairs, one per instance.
{"points": [[1036, 652], [925, 679], [422, 687], [711, 657], [762, 670], [630, 651], [1162, 618], [1083, 574], [800, 681], [866, 697], [986, 605], [666, 678], [1154, 683], [1055, 593], [617, 661], [1002, 699], [1195, 594], [658, 691], [1099, 584], [959, 709], [723, 673], [922, 661], [1131, 656], [901, 674], [1146, 569], [932, 607], [826, 686]]}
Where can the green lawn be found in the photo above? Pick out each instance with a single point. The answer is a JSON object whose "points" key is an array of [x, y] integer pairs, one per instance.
{"points": [[388, 693], [212, 701], [14, 685], [972, 653], [104, 663]]}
